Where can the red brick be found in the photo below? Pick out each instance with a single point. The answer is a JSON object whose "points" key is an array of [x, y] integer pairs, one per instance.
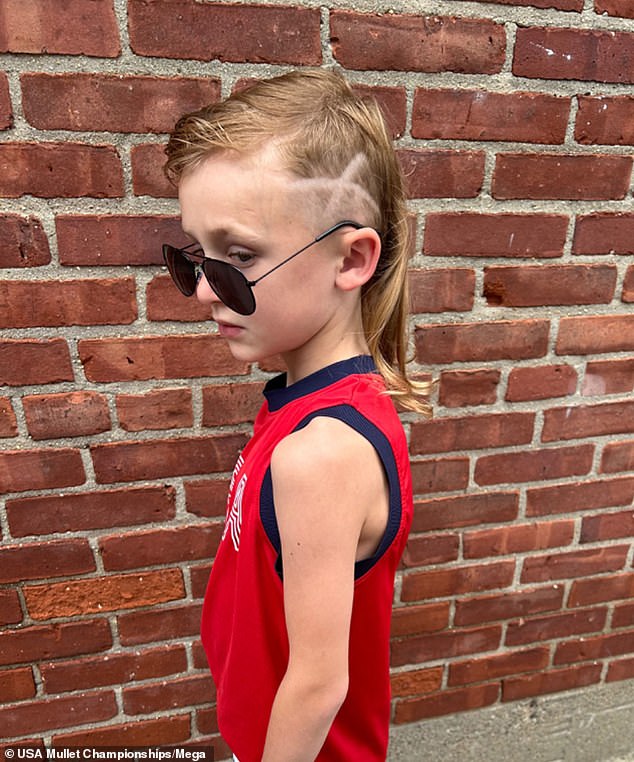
{"points": [[471, 432], [605, 120], [163, 731], [231, 403], [165, 302], [392, 102], [16, 684], [481, 115], [565, 624], [584, 54], [541, 382], [545, 285], [148, 178], [623, 615], [580, 496], [426, 550], [444, 645], [23, 242], [465, 510], [68, 414], [31, 361], [442, 174], [577, 563], [601, 333], [561, 176], [598, 647], [68, 302], [499, 665], [80, 511], [588, 421], [534, 465], [618, 456], [52, 641], [146, 357], [519, 538], [6, 112], [113, 669], [604, 233], [469, 342], [86, 27], [10, 607], [416, 681], [199, 576], [620, 669], [628, 286], [8, 421], [417, 43], [473, 578], [159, 546], [115, 103], [608, 526], [159, 624], [446, 702], [42, 560], [614, 8], [462, 388], [608, 377], [235, 33], [441, 475], [110, 593], [492, 608], [112, 239], [414, 620], [155, 459], [585, 592], [168, 694], [446, 290], [157, 409], [515, 688], [471, 234], [61, 712], [51, 170], [207, 497], [22, 470]]}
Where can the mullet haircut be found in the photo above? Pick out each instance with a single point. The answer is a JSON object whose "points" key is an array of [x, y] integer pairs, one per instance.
{"points": [[319, 127]]}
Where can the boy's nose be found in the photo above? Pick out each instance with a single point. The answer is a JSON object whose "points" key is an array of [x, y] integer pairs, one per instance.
{"points": [[204, 292]]}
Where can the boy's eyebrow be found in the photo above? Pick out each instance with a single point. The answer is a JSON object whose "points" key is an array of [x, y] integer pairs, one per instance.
{"points": [[223, 232]]}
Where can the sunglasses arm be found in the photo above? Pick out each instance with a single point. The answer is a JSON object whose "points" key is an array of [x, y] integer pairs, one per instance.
{"points": [[330, 231]]}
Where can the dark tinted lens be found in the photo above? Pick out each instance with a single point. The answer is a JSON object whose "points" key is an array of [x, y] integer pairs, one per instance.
{"points": [[181, 269], [230, 285]]}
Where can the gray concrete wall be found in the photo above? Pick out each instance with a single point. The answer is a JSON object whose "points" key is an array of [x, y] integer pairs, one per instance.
{"points": [[587, 725]]}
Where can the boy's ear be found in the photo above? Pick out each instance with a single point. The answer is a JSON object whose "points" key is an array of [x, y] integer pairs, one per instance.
{"points": [[359, 260]]}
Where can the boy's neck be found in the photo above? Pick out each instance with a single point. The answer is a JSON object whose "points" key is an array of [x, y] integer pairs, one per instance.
{"points": [[300, 365]]}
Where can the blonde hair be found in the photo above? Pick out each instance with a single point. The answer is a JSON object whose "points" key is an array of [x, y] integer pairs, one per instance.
{"points": [[318, 126]]}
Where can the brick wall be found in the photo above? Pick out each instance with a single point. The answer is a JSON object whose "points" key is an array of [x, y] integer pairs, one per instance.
{"points": [[122, 412]]}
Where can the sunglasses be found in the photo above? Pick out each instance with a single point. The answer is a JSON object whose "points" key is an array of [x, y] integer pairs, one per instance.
{"points": [[227, 281]]}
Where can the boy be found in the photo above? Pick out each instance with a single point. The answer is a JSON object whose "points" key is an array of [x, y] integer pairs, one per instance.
{"points": [[293, 194]]}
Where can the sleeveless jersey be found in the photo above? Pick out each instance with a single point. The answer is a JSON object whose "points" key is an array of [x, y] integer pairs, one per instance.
{"points": [[243, 627]]}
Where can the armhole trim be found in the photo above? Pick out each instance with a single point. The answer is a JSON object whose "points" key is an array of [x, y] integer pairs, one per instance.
{"points": [[350, 416]]}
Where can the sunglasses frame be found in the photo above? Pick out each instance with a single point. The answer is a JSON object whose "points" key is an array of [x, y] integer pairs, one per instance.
{"points": [[199, 267]]}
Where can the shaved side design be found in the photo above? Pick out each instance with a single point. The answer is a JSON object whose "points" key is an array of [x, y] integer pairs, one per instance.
{"points": [[330, 199]]}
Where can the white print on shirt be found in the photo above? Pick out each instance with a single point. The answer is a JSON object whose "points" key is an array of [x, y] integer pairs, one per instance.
{"points": [[233, 522]]}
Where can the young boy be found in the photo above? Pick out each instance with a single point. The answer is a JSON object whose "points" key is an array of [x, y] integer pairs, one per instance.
{"points": [[293, 195]]}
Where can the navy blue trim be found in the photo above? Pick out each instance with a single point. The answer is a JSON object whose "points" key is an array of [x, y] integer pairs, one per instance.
{"points": [[278, 394], [353, 418]]}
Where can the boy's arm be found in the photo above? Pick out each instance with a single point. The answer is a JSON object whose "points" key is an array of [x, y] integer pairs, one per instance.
{"points": [[324, 478]]}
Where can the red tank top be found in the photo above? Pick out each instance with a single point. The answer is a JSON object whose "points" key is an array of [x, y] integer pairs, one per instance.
{"points": [[243, 628]]}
